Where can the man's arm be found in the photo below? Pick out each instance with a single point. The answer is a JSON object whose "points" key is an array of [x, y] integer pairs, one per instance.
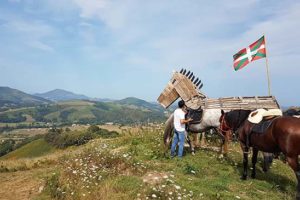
{"points": [[184, 121]]}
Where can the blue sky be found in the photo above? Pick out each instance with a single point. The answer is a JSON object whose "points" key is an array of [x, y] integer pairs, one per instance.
{"points": [[116, 49]]}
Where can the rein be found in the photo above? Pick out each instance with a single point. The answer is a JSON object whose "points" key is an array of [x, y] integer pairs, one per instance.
{"points": [[224, 125]]}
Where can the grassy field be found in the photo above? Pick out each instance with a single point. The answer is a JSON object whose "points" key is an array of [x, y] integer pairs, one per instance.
{"points": [[34, 149], [134, 166]]}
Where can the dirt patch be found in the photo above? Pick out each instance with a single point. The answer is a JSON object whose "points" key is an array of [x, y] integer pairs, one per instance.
{"points": [[20, 185], [154, 178]]}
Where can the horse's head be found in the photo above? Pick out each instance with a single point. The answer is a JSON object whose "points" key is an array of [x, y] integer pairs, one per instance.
{"points": [[233, 120], [224, 126]]}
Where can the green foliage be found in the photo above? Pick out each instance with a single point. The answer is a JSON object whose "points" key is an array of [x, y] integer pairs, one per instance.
{"points": [[52, 134], [107, 134], [65, 114], [60, 139], [10, 145], [6, 147], [93, 129], [53, 187], [12, 117], [102, 132]]}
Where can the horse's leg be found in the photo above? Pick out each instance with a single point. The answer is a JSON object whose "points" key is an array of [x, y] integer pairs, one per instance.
{"points": [[223, 143], [268, 159], [226, 141], [190, 143], [221, 147], [203, 140], [293, 162], [245, 161], [254, 161], [196, 139]]}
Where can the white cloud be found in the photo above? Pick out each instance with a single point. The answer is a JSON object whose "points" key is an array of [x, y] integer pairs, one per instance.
{"points": [[164, 35], [32, 33]]}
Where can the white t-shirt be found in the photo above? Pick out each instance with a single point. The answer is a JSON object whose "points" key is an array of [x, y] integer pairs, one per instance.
{"points": [[178, 115]]}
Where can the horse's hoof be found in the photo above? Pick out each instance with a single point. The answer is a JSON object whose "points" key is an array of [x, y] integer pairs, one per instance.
{"points": [[253, 176], [193, 153], [265, 170], [243, 177]]}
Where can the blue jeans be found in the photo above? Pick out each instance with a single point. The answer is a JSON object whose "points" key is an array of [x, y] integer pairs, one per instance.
{"points": [[179, 136]]}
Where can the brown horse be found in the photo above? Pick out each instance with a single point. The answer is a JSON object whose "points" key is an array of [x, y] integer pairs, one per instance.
{"points": [[283, 135]]}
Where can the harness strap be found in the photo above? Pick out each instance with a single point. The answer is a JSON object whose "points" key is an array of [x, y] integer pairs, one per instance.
{"points": [[224, 123]]}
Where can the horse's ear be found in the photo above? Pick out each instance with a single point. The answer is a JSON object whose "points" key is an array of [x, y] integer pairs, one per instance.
{"points": [[222, 112]]}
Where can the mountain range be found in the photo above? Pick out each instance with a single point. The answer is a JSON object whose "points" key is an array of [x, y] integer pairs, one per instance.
{"points": [[61, 95], [15, 98], [66, 107]]}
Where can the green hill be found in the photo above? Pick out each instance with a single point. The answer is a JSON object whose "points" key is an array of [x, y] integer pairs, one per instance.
{"points": [[61, 95], [139, 103], [33, 149]]}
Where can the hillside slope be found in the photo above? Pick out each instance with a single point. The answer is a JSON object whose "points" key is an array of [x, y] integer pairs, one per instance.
{"points": [[33, 149], [133, 166], [15, 98]]}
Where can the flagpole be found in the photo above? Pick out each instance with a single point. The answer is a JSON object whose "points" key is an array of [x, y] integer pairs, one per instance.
{"points": [[267, 66]]}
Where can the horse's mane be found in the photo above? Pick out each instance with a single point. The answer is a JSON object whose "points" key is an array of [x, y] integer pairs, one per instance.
{"points": [[236, 117]]}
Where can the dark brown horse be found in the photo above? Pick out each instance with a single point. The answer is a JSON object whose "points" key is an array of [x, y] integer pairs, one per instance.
{"points": [[283, 135]]}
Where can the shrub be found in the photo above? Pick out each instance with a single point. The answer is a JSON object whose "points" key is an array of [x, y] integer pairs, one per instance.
{"points": [[6, 147], [12, 118], [107, 134], [53, 187], [52, 135], [93, 129], [60, 139]]}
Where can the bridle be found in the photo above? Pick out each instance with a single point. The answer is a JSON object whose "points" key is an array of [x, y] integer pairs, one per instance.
{"points": [[224, 127]]}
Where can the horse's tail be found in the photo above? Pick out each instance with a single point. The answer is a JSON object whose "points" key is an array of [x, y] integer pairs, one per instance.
{"points": [[168, 133]]}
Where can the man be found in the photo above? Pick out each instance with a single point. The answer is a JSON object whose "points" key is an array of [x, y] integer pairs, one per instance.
{"points": [[179, 129]]}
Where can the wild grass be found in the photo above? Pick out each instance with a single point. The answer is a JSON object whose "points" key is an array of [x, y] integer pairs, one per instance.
{"points": [[134, 166]]}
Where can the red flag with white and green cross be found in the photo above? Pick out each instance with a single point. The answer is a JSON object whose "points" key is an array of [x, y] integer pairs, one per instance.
{"points": [[255, 51]]}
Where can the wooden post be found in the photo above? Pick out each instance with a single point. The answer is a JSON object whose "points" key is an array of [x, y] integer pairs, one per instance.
{"points": [[267, 66]]}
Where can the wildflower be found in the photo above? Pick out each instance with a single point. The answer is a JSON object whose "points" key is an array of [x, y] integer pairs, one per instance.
{"points": [[177, 187]]}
